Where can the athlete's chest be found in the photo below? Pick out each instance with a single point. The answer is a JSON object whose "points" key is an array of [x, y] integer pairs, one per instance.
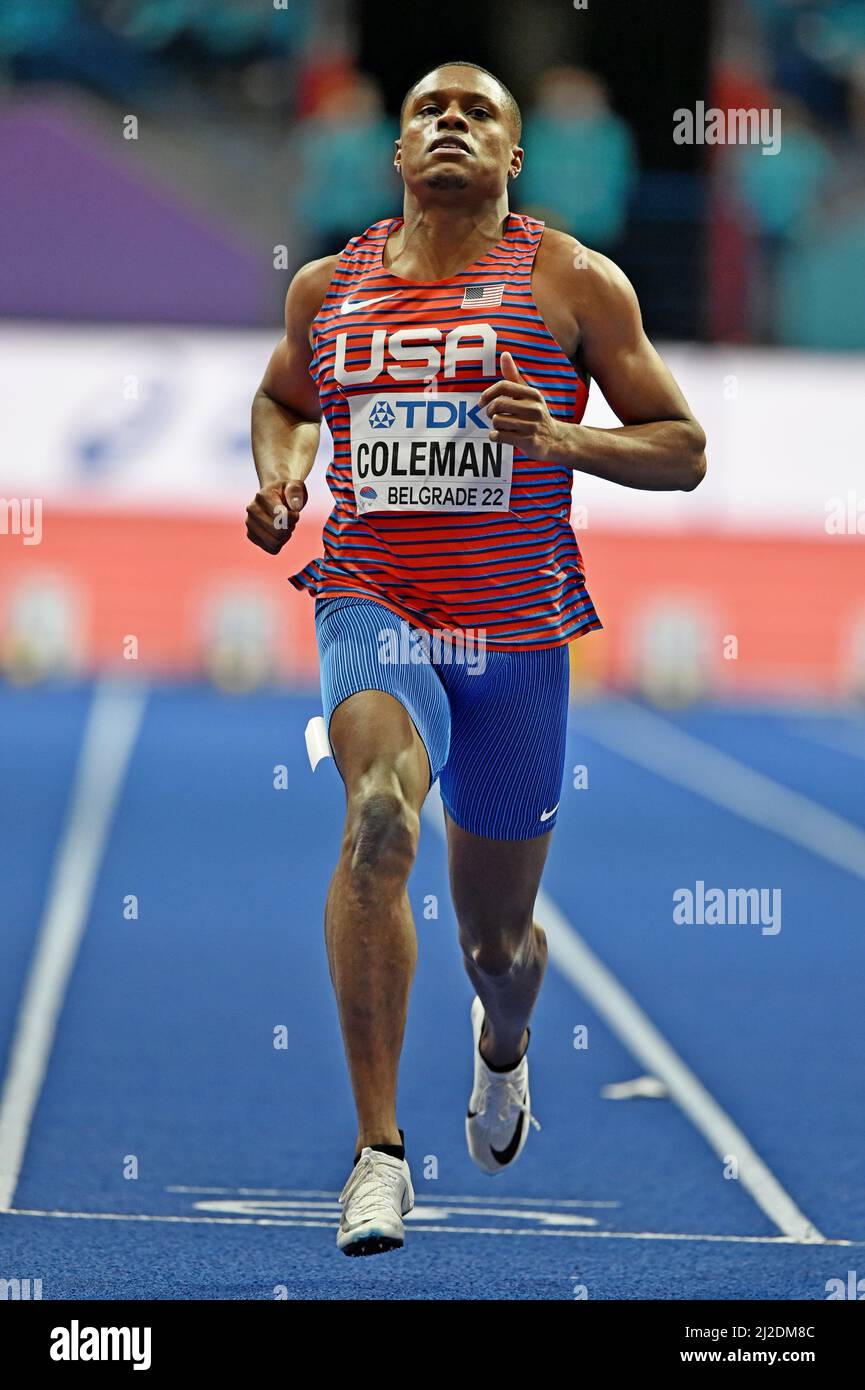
{"points": [[401, 373], [443, 335]]}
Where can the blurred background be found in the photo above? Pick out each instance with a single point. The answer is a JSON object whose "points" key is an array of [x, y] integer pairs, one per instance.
{"points": [[168, 164]]}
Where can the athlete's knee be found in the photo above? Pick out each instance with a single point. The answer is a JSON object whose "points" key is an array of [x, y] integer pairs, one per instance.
{"points": [[381, 831], [500, 946]]}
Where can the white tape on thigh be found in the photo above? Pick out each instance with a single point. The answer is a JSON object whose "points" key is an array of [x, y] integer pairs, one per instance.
{"points": [[317, 742]]}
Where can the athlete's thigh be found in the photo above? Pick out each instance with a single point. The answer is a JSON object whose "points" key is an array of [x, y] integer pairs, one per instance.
{"points": [[503, 777], [388, 718], [374, 739]]}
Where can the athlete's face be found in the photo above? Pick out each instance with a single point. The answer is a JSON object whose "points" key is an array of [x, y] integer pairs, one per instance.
{"points": [[456, 133]]}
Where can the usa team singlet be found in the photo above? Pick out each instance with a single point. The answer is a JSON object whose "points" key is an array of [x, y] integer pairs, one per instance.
{"points": [[431, 519]]}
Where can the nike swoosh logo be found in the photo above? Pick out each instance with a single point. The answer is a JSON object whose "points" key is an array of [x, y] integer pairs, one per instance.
{"points": [[504, 1156], [349, 306], [545, 815]]}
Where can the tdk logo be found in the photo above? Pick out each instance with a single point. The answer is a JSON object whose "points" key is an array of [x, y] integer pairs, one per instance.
{"points": [[422, 412], [381, 417]]}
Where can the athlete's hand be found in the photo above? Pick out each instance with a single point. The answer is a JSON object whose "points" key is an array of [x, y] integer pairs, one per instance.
{"points": [[520, 416], [273, 514]]}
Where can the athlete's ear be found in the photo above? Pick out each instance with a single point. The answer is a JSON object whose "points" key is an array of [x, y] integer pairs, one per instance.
{"points": [[516, 162], [397, 153]]}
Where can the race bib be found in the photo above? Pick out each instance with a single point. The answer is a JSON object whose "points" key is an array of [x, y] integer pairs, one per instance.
{"points": [[412, 452]]}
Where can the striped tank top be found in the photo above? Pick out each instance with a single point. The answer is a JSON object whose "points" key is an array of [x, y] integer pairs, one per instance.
{"points": [[431, 519]]}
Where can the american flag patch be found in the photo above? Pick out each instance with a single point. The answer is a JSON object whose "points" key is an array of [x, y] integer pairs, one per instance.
{"points": [[482, 296]]}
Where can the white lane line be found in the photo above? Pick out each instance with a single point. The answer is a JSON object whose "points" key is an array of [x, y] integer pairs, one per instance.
{"points": [[112, 728], [419, 1226], [678, 757], [301, 1194], [626, 1019], [432, 1210]]}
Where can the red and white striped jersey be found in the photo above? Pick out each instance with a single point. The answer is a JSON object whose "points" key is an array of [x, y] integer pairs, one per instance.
{"points": [[430, 518]]}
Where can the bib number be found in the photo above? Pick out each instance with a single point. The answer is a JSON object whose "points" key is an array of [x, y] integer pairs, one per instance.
{"points": [[412, 452]]}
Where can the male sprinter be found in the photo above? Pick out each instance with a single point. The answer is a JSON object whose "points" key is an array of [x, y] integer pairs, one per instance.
{"points": [[450, 351]]}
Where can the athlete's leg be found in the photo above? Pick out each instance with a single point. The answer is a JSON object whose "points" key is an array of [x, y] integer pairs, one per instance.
{"points": [[369, 930], [494, 884], [501, 789]]}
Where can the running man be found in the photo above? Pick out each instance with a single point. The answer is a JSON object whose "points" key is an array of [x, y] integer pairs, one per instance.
{"points": [[450, 351]]}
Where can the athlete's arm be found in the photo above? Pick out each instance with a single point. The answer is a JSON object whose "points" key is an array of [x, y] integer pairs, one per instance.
{"points": [[659, 445], [286, 416]]}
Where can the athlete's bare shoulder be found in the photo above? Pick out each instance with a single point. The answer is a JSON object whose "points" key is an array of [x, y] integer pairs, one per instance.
{"points": [[581, 275], [581, 287], [286, 378], [306, 294]]}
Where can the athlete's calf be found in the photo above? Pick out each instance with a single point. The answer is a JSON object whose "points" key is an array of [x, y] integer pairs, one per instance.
{"points": [[494, 884]]}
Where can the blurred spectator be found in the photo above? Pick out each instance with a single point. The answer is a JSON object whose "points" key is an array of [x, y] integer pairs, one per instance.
{"points": [[121, 48], [739, 83], [580, 163], [821, 303], [774, 197], [812, 44], [780, 190], [347, 178]]}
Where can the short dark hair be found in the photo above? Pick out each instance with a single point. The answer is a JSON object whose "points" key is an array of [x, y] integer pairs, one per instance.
{"points": [[510, 103]]}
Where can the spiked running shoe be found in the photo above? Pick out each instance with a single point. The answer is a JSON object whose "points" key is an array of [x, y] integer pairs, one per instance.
{"points": [[376, 1197], [499, 1114]]}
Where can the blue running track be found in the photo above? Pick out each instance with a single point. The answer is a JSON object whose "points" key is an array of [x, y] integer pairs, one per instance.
{"points": [[164, 1061]]}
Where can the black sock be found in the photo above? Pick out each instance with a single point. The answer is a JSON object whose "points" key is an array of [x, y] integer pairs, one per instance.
{"points": [[395, 1150], [511, 1065]]}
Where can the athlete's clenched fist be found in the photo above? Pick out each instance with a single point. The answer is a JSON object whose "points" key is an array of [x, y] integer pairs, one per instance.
{"points": [[520, 416], [272, 514]]}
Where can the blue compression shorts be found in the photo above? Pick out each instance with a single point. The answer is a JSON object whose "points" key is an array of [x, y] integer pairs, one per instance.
{"points": [[493, 723]]}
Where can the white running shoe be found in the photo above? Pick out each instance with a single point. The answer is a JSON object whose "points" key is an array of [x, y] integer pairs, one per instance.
{"points": [[374, 1200], [499, 1114]]}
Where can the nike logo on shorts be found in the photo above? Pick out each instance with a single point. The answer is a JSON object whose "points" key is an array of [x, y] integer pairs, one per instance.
{"points": [[545, 815], [350, 306]]}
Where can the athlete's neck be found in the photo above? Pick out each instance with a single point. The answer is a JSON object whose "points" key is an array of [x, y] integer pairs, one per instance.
{"points": [[437, 242]]}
